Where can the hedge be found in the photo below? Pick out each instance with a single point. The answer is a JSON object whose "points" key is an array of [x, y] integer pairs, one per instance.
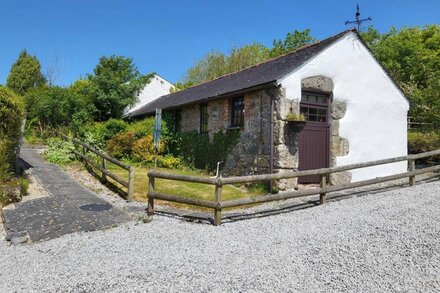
{"points": [[11, 114]]}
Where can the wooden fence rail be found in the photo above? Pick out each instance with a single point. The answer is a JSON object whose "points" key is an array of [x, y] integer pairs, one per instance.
{"points": [[217, 204], [102, 166]]}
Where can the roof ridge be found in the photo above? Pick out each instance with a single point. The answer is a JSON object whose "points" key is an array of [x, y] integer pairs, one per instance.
{"points": [[274, 58], [205, 89]]}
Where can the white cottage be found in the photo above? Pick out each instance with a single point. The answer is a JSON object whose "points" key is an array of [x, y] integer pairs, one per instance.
{"points": [[354, 112], [157, 87]]}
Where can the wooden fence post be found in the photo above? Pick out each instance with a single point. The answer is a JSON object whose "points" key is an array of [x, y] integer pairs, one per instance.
{"points": [[130, 183], [412, 168], [323, 184], [84, 153], [218, 199], [104, 166], [150, 208]]}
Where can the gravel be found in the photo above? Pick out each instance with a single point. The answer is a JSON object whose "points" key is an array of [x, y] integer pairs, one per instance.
{"points": [[385, 242]]}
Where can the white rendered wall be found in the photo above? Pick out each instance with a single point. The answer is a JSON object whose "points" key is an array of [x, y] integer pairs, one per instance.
{"points": [[155, 89], [375, 122]]}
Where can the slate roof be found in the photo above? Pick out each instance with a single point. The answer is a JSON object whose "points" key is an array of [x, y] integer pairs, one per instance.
{"points": [[260, 74]]}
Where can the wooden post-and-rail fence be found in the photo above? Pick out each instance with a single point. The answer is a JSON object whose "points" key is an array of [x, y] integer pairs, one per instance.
{"points": [[102, 166], [218, 204]]}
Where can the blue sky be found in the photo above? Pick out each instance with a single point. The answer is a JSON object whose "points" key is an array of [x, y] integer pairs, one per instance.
{"points": [[168, 36]]}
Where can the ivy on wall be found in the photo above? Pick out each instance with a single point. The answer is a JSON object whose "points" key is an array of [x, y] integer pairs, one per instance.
{"points": [[199, 151]]}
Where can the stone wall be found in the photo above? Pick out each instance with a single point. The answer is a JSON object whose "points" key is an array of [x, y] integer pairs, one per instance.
{"points": [[218, 116], [285, 140], [339, 146], [251, 155], [190, 118]]}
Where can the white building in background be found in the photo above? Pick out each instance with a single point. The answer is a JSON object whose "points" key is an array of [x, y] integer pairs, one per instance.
{"points": [[157, 87]]}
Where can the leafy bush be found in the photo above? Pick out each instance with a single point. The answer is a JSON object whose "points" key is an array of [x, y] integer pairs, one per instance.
{"points": [[143, 149], [142, 128], [57, 106], [169, 161], [5, 167], [121, 145], [112, 127], [10, 121], [59, 151], [419, 142], [92, 134]]}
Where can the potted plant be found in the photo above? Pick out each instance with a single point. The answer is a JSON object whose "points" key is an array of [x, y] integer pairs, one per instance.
{"points": [[296, 121]]}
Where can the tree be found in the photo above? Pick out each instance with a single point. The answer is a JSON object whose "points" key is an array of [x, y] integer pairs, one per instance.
{"points": [[241, 58], [25, 74], [216, 64], [114, 85], [412, 57], [293, 40], [52, 106], [213, 65]]}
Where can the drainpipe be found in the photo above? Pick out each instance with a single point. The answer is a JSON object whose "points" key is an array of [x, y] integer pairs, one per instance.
{"points": [[272, 107]]}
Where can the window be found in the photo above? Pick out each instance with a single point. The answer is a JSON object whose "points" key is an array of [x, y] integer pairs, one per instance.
{"points": [[237, 117], [177, 121], [203, 118], [313, 99], [314, 114], [314, 107]]}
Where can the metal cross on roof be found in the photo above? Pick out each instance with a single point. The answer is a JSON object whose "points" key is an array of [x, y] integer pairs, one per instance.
{"points": [[358, 21]]}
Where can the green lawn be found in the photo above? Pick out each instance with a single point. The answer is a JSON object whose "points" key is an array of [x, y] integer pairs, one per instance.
{"points": [[184, 189]]}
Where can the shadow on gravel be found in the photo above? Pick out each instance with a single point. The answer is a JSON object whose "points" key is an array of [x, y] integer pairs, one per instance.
{"points": [[283, 207]]}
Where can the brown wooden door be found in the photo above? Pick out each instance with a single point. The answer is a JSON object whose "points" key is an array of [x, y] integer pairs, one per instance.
{"points": [[314, 139]]}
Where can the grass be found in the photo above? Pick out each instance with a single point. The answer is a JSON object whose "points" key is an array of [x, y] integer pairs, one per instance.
{"points": [[184, 189]]}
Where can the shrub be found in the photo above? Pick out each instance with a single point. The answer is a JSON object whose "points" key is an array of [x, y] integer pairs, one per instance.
{"points": [[145, 127], [143, 149], [169, 161], [112, 127], [419, 142], [142, 128], [80, 118], [121, 145], [5, 167], [59, 151], [92, 134], [10, 121]]}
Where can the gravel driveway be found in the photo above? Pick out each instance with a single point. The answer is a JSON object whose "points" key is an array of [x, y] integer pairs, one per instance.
{"points": [[377, 243]]}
